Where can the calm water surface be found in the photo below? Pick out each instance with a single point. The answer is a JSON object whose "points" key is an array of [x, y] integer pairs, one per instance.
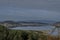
{"points": [[34, 28], [39, 28]]}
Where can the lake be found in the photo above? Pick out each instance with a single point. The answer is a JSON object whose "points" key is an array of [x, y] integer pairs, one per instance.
{"points": [[34, 28], [37, 28]]}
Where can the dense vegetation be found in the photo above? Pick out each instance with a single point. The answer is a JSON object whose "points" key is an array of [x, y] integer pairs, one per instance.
{"points": [[7, 34]]}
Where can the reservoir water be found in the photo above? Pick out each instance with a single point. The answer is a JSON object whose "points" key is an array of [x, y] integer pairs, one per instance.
{"points": [[38, 28], [34, 28]]}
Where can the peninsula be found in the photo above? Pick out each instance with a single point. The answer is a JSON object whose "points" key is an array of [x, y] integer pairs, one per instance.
{"points": [[21, 24]]}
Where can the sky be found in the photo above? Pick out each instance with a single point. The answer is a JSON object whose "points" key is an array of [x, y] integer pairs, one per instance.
{"points": [[30, 10]]}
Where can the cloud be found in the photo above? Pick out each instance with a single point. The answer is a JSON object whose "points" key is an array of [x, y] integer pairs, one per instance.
{"points": [[27, 14], [36, 4], [52, 5], [30, 9]]}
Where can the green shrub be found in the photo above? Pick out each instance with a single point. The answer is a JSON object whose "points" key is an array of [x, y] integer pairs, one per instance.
{"points": [[24, 35]]}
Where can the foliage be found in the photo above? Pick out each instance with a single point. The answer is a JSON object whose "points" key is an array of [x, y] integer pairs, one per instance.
{"points": [[7, 34]]}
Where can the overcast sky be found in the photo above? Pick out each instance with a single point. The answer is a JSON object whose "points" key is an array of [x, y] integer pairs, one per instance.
{"points": [[30, 10]]}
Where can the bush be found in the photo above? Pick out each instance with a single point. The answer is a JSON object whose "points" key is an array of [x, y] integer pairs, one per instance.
{"points": [[24, 35]]}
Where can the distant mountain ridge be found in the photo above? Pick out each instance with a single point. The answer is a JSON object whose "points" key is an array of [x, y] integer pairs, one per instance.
{"points": [[43, 21], [32, 21]]}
